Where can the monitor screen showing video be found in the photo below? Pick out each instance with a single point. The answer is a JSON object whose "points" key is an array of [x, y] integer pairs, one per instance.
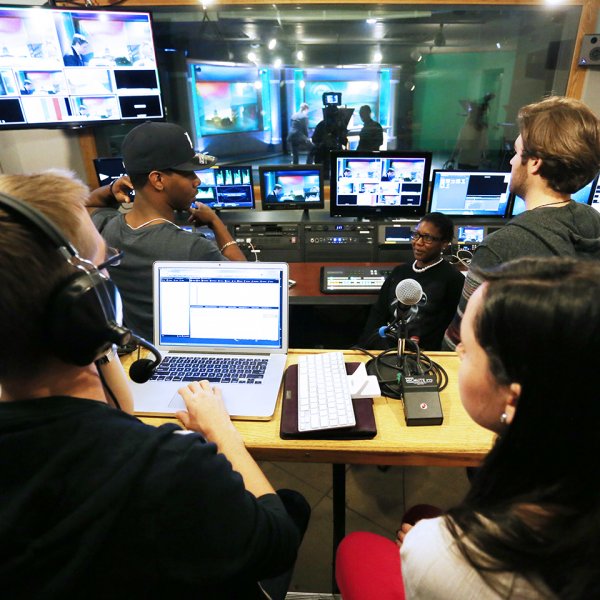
{"points": [[470, 193], [68, 68], [298, 187], [470, 234], [382, 184], [224, 188]]}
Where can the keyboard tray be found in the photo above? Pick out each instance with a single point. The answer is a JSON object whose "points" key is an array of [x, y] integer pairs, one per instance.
{"points": [[365, 427]]}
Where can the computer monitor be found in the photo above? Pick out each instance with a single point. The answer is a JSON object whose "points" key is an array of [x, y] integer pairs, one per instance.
{"points": [[585, 196], [470, 234], [382, 184], [470, 193], [225, 188], [108, 169], [297, 187]]}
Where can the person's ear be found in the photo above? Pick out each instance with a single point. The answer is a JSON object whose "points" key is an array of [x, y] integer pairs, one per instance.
{"points": [[534, 164], [156, 180], [512, 401]]}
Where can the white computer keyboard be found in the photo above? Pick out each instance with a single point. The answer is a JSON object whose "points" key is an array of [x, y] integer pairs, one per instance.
{"points": [[324, 400]]}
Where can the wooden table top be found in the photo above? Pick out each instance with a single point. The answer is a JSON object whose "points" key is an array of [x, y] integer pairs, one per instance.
{"points": [[457, 442]]}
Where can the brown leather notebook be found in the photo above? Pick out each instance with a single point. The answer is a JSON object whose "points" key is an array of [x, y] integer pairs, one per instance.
{"points": [[363, 410]]}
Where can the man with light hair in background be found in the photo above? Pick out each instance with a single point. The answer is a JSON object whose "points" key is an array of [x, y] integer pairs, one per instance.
{"points": [[556, 154]]}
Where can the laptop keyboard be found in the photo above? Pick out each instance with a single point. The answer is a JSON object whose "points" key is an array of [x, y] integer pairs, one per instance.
{"points": [[213, 369]]}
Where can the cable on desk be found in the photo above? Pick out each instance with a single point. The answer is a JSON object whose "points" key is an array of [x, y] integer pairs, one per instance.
{"points": [[463, 257], [415, 363]]}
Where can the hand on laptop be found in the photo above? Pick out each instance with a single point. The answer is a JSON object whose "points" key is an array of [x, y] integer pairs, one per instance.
{"points": [[206, 412]]}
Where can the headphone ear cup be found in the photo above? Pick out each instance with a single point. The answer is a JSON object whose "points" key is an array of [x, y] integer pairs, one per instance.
{"points": [[81, 320]]}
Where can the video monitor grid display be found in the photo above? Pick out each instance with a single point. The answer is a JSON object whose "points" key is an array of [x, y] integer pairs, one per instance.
{"points": [[226, 188], [384, 184], [586, 195], [226, 99], [298, 187], [64, 67], [470, 193]]}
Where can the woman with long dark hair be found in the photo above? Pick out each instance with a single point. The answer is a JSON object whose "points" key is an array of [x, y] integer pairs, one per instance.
{"points": [[530, 525]]}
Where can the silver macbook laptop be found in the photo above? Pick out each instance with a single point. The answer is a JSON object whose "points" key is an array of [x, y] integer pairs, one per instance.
{"points": [[230, 316]]}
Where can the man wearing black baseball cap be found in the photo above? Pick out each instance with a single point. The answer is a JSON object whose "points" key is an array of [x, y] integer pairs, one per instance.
{"points": [[162, 166]]}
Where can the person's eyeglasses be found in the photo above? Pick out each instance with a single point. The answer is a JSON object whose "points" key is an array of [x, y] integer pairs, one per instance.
{"points": [[113, 258], [415, 236]]}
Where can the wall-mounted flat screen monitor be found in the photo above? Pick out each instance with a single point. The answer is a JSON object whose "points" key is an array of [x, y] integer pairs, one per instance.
{"points": [[224, 188], [297, 187], [585, 195], [225, 98], [354, 94], [382, 184], [69, 68], [470, 193]]}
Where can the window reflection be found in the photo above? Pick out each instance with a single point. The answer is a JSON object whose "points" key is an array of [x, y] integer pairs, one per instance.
{"points": [[439, 78]]}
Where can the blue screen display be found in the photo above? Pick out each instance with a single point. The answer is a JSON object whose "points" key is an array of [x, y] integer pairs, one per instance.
{"points": [[470, 193]]}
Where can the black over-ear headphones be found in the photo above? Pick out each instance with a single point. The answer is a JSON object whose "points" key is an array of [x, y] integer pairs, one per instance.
{"points": [[81, 314]]}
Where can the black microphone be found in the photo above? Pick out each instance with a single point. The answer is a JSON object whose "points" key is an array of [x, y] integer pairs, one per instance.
{"points": [[143, 368]]}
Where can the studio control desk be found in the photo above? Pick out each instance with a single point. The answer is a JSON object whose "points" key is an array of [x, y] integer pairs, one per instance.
{"points": [[292, 236]]}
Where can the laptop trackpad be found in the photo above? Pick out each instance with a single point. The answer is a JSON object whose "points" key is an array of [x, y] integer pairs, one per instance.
{"points": [[177, 402]]}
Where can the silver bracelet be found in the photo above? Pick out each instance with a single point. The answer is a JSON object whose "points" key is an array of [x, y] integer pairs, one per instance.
{"points": [[231, 243]]}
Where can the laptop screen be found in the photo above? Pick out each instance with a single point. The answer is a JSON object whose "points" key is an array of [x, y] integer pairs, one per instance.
{"points": [[229, 307]]}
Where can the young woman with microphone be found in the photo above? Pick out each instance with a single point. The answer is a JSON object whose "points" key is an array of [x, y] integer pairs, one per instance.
{"points": [[441, 282]]}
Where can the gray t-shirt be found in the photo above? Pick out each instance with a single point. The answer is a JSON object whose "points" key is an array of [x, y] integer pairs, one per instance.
{"points": [[142, 247], [572, 230]]}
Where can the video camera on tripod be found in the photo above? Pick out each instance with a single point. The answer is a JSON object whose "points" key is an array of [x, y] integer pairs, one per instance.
{"points": [[332, 132]]}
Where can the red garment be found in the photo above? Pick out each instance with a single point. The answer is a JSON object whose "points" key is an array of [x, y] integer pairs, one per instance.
{"points": [[367, 567]]}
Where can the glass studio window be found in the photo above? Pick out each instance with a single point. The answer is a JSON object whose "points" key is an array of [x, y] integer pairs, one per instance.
{"points": [[448, 79]]}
